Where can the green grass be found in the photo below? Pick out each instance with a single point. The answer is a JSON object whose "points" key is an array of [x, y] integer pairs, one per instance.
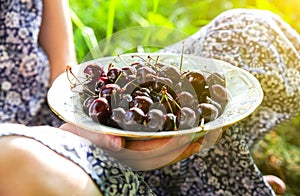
{"points": [[106, 17], [278, 153], [98, 21]]}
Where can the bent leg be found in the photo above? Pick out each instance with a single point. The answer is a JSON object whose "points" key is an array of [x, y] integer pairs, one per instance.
{"points": [[263, 44], [27, 167]]}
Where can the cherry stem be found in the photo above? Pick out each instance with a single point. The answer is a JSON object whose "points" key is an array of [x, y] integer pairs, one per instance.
{"points": [[165, 96], [132, 81], [73, 85], [69, 69], [118, 78], [110, 66], [114, 95], [181, 58], [148, 63], [123, 61], [202, 124]]}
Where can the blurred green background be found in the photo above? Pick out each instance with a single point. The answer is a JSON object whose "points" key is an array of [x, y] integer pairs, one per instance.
{"points": [[278, 153]]}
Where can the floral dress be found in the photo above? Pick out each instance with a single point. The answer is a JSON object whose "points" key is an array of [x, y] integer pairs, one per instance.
{"points": [[255, 40], [24, 67]]}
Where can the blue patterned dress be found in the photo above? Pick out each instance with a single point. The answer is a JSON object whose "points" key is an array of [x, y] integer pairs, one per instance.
{"points": [[24, 67], [257, 41]]}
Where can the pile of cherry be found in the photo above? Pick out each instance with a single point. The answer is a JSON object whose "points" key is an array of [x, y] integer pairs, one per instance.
{"points": [[148, 95]]}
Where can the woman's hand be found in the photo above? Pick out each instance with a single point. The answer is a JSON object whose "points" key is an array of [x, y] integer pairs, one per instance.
{"points": [[147, 154], [157, 153], [108, 142]]}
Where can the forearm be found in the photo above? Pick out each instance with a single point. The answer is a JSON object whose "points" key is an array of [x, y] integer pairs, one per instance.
{"points": [[56, 36]]}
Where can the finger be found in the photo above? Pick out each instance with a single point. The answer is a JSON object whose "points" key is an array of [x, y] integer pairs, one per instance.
{"points": [[211, 138], [69, 127], [276, 183], [109, 142], [167, 159], [189, 151], [147, 149], [146, 145]]}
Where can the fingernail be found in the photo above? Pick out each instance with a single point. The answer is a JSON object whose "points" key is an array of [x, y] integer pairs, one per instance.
{"points": [[196, 147], [116, 144]]}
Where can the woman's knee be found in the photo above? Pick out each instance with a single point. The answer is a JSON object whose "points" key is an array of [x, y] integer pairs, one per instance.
{"points": [[30, 168]]}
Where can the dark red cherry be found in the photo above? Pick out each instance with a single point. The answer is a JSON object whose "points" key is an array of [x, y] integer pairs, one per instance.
{"points": [[207, 111], [100, 84], [134, 119], [99, 110], [138, 65], [155, 120], [186, 118], [144, 74], [141, 91], [216, 78], [113, 74], [117, 117], [87, 103], [159, 82], [125, 101], [197, 80], [171, 72], [94, 71], [128, 71], [127, 75], [171, 123], [112, 93], [186, 99], [142, 102], [219, 94], [216, 104]]}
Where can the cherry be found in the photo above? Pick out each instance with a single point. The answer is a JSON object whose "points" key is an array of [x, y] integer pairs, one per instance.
{"points": [[94, 71], [113, 74], [159, 106], [112, 93], [216, 104], [171, 72], [197, 80], [137, 65], [134, 119], [128, 70], [100, 84], [141, 91], [216, 78], [186, 99], [99, 110], [186, 118], [155, 120], [159, 83], [127, 75], [207, 111], [171, 123], [125, 100], [204, 95], [87, 103], [219, 94], [117, 116], [168, 101], [144, 74], [142, 102]]}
